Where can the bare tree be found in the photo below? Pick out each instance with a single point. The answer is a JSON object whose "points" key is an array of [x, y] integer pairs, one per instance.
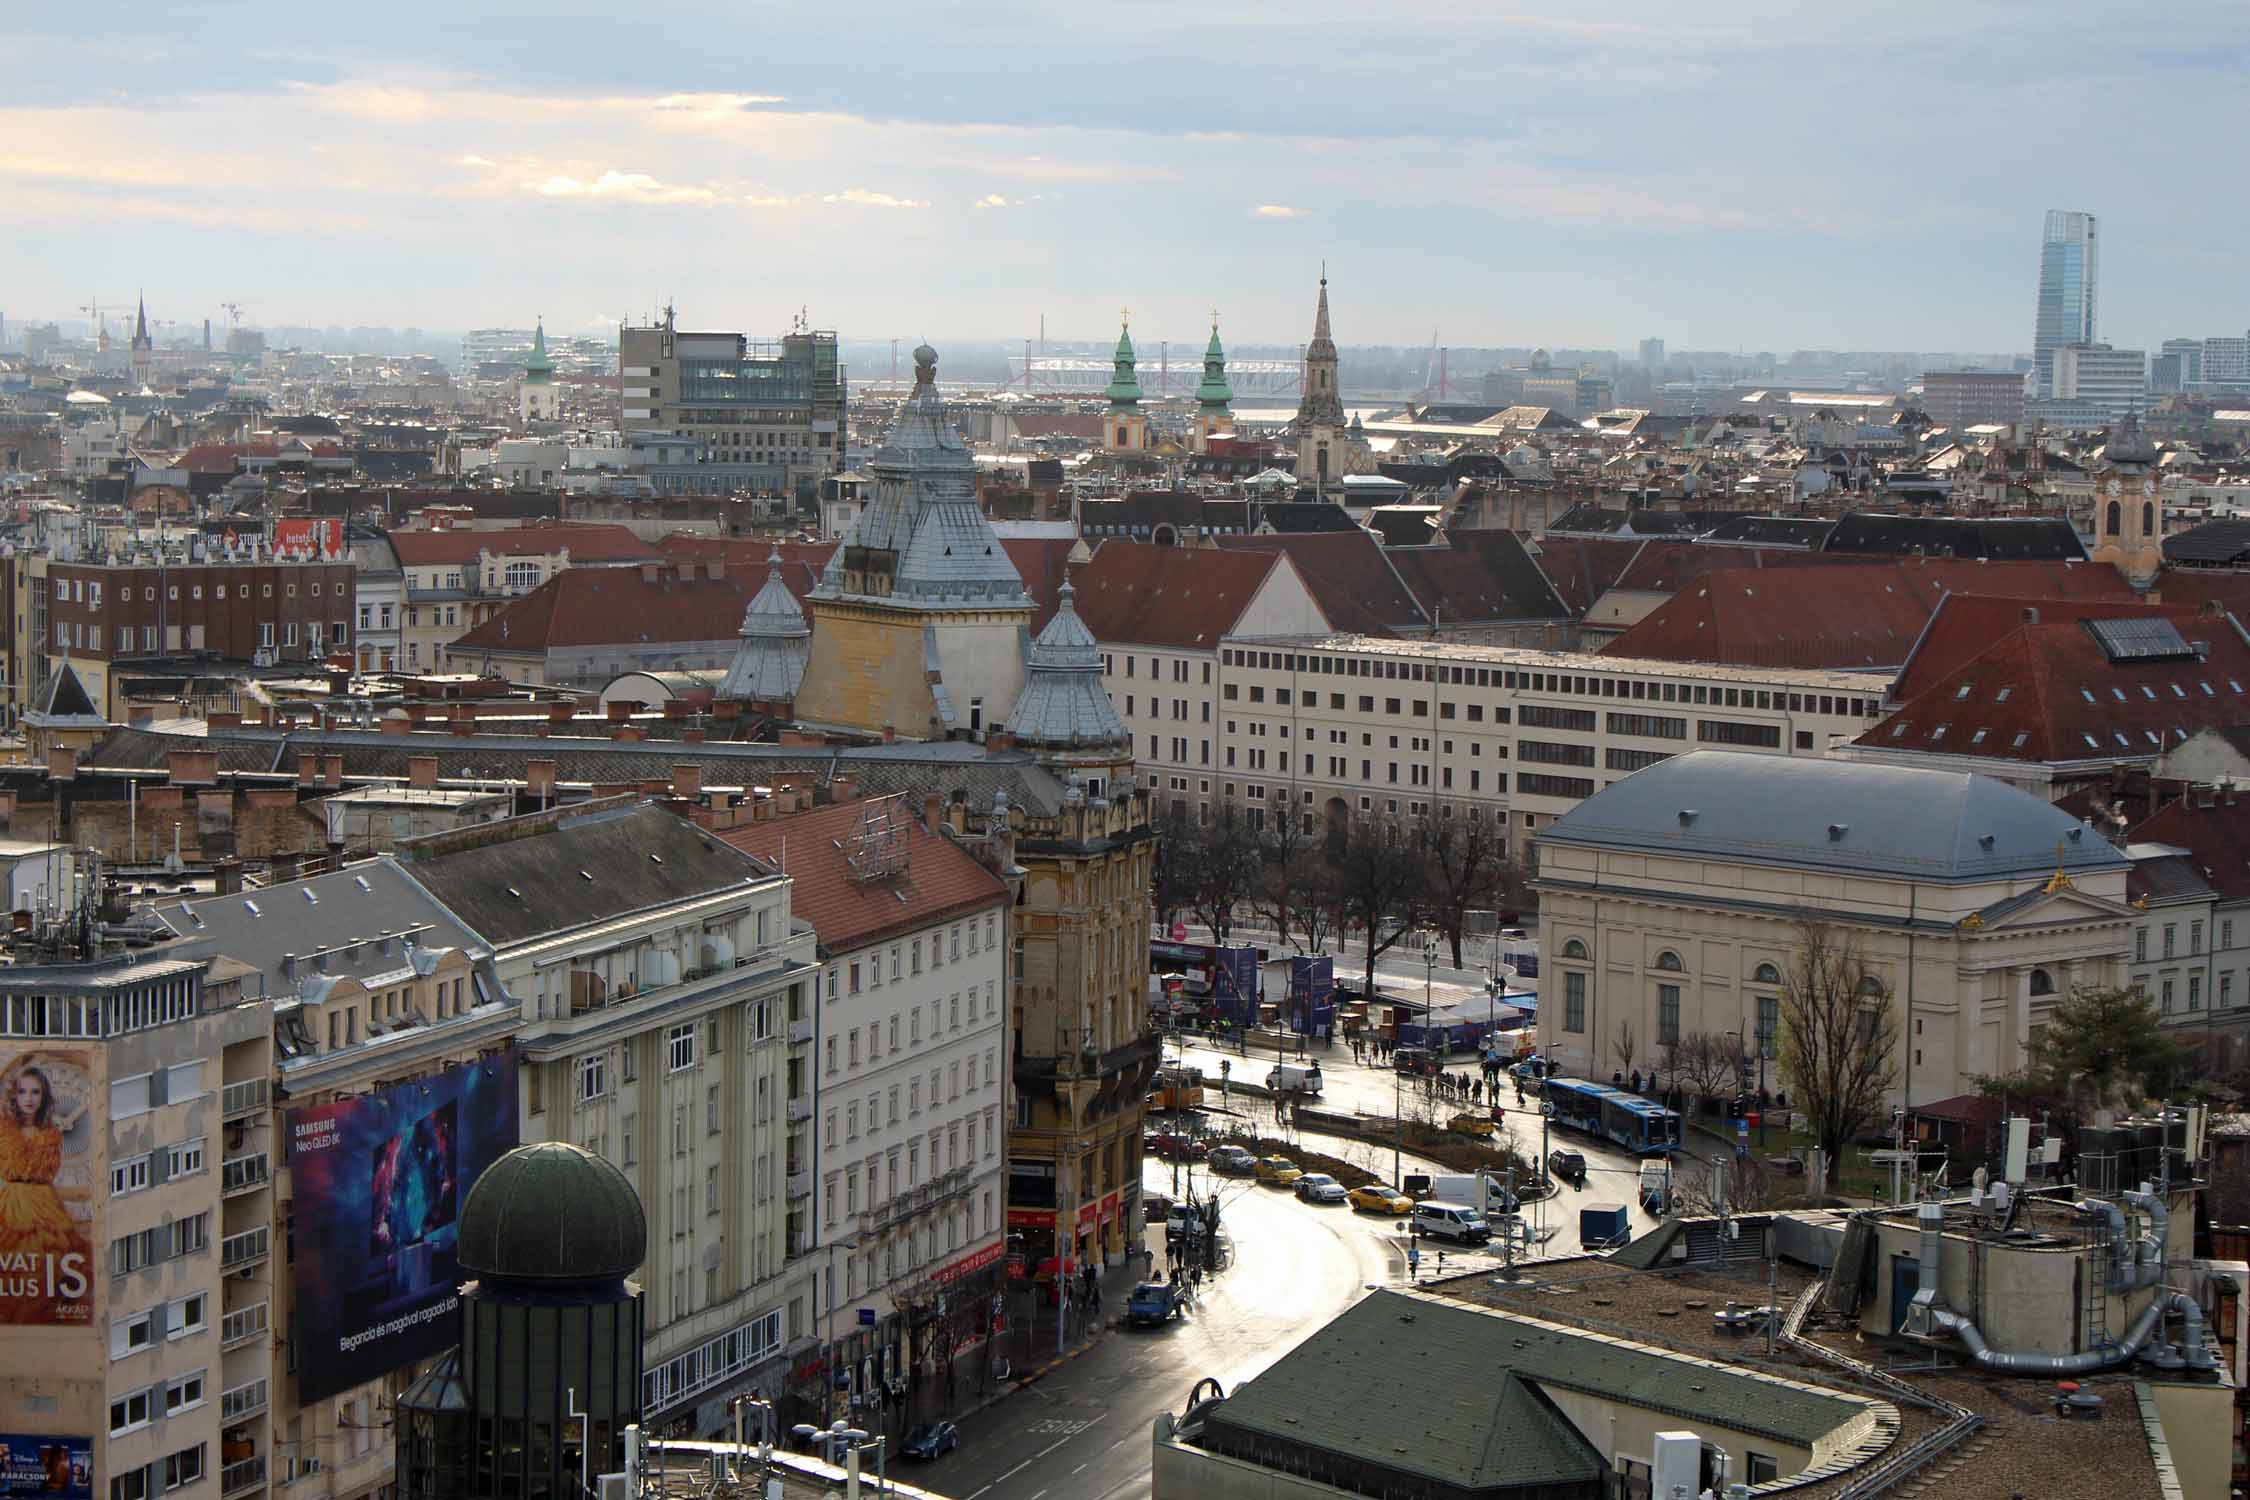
{"points": [[1170, 878], [1839, 1037], [1223, 869], [1289, 893], [1705, 1065], [1380, 874], [1625, 1046], [1468, 868]]}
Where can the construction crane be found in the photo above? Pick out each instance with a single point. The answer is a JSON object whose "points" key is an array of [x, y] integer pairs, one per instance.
{"points": [[234, 316]]}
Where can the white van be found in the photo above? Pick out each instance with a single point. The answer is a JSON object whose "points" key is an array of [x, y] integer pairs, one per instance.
{"points": [[1451, 1221], [1294, 1078]]}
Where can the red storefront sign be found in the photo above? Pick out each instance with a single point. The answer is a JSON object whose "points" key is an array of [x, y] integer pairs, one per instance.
{"points": [[1101, 1210], [1031, 1218], [975, 1260]]}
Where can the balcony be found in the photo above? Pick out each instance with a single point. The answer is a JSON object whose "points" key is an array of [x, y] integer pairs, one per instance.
{"points": [[245, 1400], [917, 1200], [800, 1033], [240, 1100], [240, 1251], [800, 1184], [244, 1174], [245, 1325], [800, 1243], [800, 1110], [241, 1478]]}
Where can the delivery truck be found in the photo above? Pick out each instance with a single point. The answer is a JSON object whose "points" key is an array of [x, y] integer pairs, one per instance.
{"points": [[1603, 1226]]}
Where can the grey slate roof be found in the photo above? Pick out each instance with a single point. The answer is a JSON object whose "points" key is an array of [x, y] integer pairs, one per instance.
{"points": [[589, 869], [1851, 816], [363, 900], [923, 513], [64, 703], [1063, 701], [1996, 537], [2220, 541], [1428, 1395], [775, 641]]}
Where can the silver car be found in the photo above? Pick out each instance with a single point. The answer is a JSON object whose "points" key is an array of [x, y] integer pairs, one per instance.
{"points": [[1319, 1187]]}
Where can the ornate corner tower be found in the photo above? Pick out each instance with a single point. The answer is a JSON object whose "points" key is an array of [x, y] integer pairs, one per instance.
{"points": [[1320, 424], [1124, 429]]}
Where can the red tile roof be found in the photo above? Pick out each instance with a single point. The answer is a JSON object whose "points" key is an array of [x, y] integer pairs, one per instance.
{"points": [[2046, 690], [1865, 615], [593, 543], [1348, 576], [942, 880], [611, 606], [1140, 594], [1041, 562], [2224, 587], [1582, 569], [1963, 625]]}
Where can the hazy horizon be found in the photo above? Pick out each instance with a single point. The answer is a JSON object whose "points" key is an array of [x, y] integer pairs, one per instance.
{"points": [[1740, 176]]}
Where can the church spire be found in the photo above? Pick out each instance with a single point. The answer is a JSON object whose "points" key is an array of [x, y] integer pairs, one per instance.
{"points": [[1214, 393], [140, 324], [1320, 334], [539, 367], [1323, 403], [1124, 382]]}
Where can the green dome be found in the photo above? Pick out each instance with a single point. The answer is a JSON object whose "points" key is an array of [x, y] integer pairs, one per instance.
{"points": [[1124, 384], [552, 1212]]}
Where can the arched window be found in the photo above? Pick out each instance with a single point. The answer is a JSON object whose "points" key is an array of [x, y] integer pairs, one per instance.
{"points": [[1766, 974], [2116, 518], [2042, 983], [1574, 949], [2148, 519], [1871, 987], [1669, 962]]}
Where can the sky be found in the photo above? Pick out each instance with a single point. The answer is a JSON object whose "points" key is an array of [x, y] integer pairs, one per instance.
{"points": [[1721, 175]]}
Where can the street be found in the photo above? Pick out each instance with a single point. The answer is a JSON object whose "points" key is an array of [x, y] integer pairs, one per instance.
{"points": [[1083, 1432]]}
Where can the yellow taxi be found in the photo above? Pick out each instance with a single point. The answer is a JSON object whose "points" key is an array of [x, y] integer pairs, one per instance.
{"points": [[1278, 1170], [1375, 1198], [1469, 1124]]}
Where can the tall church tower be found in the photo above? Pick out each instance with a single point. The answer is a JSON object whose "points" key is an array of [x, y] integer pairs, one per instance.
{"points": [[1319, 427], [536, 397], [144, 348], [1212, 414], [1124, 429], [920, 622], [2129, 506]]}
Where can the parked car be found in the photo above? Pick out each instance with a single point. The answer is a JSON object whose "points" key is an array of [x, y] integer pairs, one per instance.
{"points": [[1466, 1123], [1319, 1187], [1234, 1161], [1451, 1221], [1172, 1146], [930, 1440], [1152, 1302], [1375, 1198], [1278, 1170], [1567, 1166]]}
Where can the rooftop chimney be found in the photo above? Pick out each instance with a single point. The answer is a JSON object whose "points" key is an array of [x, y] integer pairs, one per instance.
{"points": [[421, 770]]}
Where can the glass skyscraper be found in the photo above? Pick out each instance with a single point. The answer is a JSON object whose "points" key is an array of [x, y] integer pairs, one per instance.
{"points": [[2069, 264]]}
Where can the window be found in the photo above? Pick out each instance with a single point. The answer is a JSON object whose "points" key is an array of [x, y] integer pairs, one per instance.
{"points": [[185, 1159], [679, 1045], [128, 1176], [130, 1335], [593, 1076], [2195, 937], [187, 1317], [1669, 962], [132, 1485], [1574, 1001], [2171, 937], [1648, 726], [183, 1394], [1574, 949], [130, 1413], [183, 1467], [1667, 1014], [1757, 736], [2140, 945], [1769, 1026]]}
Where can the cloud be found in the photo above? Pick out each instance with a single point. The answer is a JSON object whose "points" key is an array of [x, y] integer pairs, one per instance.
{"points": [[716, 104], [625, 187], [1279, 211], [474, 160], [862, 198], [1001, 200]]}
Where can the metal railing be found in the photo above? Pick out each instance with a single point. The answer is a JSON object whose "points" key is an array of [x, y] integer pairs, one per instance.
{"points": [[239, 1478], [249, 1097], [245, 1173], [244, 1324], [246, 1248], [244, 1400], [800, 1032]]}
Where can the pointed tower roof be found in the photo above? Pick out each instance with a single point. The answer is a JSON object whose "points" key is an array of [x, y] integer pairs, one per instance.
{"points": [[141, 339], [539, 367], [1323, 344], [1214, 393], [922, 541], [1323, 403], [1063, 703], [64, 703], [1124, 382], [770, 662]]}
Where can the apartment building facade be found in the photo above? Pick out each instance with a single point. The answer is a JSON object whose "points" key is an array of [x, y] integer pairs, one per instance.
{"points": [[100, 616], [1966, 398], [454, 580], [1341, 727], [133, 1125], [776, 406], [912, 1096], [668, 1025]]}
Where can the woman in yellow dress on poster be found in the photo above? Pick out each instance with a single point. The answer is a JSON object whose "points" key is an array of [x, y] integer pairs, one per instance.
{"points": [[36, 1225]]}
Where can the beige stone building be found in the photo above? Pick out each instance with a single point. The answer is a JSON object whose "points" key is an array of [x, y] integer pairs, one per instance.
{"points": [[1672, 904]]}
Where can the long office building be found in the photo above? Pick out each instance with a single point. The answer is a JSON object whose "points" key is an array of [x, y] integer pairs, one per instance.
{"points": [[1968, 398], [2069, 287], [777, 406], [1334, 728], [2112, 380]]}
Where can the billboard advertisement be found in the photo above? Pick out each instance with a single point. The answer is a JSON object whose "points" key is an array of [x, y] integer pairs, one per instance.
{"points": [[1312, 994], [52, 1136], [378, 1183], [1234, 985], [59, 1468], [309, 536]]}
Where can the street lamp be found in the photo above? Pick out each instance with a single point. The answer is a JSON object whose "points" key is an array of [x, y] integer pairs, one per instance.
{"points": [[849, 1439]]}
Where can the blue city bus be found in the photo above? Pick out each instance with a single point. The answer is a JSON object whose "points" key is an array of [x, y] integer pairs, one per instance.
{"points": [[1641, 1126]]}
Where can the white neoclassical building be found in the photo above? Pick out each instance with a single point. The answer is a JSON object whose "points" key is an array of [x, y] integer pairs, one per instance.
{"points": [[1672, 903]]}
